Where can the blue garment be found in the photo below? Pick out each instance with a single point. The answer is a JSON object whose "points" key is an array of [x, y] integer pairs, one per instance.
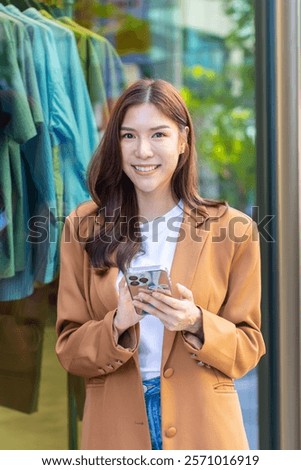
{"points": [[103, 69], [153, 408], [18, 129], [62, 128], [3, 220], [74, 81], [22, 284], [39, 200], [112, 68]]}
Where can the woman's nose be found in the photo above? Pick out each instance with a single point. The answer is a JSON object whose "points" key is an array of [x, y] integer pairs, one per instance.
{"points": [[144, 149]]}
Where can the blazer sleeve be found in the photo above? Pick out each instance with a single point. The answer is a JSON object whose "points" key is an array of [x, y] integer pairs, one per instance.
{"points": [[233, 342], [85, 346]]}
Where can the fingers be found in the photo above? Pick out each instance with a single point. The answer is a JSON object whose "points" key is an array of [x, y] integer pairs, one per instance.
{"points": [[152, 310], [162, 302], [153, 307], [184, 292], [175, 314]]}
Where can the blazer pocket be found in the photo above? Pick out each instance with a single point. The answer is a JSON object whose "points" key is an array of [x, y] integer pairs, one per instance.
{"points": [[224, 387], [95, 382]]}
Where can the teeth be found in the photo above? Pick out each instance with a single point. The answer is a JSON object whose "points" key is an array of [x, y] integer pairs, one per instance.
{"points": [[145, 169]]}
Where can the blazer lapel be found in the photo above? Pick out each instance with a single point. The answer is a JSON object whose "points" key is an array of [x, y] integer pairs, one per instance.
{"points": [[190, 243]]}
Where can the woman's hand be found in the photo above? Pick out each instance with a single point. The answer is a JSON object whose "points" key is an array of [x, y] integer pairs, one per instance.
{"points": [[175, 314], [126, 314]]}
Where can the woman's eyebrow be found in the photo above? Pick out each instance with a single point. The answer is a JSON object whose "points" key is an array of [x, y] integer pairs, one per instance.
{"points": [[125, 128]]}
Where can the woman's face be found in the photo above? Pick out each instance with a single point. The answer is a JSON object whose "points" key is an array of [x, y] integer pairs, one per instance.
{"points": [[150, 145]]}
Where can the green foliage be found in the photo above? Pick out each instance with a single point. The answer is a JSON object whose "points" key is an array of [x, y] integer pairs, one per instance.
{"points": [[222, 107], [221, 103]]}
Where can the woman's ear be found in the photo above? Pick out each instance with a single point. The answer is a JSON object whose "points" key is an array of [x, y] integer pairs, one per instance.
{"points": [[185, 139]]}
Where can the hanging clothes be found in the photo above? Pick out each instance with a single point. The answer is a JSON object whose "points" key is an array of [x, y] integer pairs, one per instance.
{"points": [[63, 127], [103, 70], [19, 357], [74, 82], [48, 133], [66, 154], [112, 69], [39, 197], [18, 128], [91, 67], [77, 92]]}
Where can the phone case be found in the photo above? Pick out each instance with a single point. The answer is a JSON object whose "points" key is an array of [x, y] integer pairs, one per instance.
{"points": [[149, 277]]}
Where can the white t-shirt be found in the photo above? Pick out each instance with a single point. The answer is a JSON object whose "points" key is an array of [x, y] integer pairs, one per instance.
{"points": [[160, 238]]}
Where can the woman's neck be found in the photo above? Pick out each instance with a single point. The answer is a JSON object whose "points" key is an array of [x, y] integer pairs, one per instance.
{"points": [[151, 208]]}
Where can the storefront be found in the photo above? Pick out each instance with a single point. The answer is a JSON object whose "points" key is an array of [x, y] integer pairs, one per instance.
{"points": [[237, 65]]}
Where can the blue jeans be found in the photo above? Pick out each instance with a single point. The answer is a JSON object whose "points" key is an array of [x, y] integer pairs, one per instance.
{"points": [[153, 409]]}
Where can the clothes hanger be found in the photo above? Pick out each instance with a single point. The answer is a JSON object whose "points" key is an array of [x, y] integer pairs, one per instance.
{"points": [[40, 5], [33, 4], [21, 4], [45, 6], [55, 11]]}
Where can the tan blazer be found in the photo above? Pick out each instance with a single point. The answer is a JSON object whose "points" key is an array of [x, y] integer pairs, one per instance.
{"points": [[220, 262]]}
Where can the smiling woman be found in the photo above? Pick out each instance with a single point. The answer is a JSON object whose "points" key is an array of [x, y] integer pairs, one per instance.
{"points": [[150, 154], [159, 368]]}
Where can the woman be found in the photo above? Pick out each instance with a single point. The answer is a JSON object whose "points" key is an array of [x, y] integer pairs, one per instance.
{"points": [[159, 369]]}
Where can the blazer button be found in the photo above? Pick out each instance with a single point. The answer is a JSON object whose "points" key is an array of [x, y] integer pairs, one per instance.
{"points": [[170, 432], [168, 373]]}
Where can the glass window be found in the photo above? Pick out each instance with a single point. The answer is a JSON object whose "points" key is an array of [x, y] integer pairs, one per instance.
{"points": [[206, 48]]}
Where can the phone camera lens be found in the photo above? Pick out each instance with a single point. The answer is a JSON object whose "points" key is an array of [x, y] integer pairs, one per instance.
{"points": [[134, 283], [143, 279], [133, 278]]}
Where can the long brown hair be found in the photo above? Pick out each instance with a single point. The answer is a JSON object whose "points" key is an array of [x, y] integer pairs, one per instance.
{"points": [[118, 238]]}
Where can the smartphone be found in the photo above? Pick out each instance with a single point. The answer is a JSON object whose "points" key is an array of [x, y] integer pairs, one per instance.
{"points": [[148, 278]]}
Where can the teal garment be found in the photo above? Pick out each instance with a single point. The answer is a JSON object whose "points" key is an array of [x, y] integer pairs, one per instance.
{"points": [[104, 71], [74, 82], [39, 201], [92, 70], [42, 172], [110, 65], [61, 124], [112, 68], [63, 127], [19, 129], [21, 285], [7, 267]]}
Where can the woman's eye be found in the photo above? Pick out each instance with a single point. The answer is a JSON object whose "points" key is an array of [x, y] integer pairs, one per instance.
{"points": [[159, 134], [128, 135]]}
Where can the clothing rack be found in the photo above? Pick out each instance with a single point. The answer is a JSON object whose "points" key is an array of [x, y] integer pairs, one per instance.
{"points": [[105, 79], [68, 7]]}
